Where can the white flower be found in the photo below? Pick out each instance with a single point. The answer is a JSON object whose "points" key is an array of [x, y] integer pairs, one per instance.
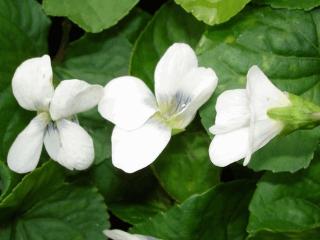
{"points": [[242, 125], [144, 123], [55, 124], [121, 235]]}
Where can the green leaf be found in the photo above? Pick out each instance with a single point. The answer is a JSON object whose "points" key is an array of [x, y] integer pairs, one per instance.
{"points": [[213, 12], [169, 25], [140, 209], [32, 188], [184, 168], [115, 187], [41, 206], [91, 15], [291, 4], [221, 212], [287, 205], [131, 197], [69, 213], [287, 51], [287, 153], [96, 58], [23, 34], [133, 24], [7, 180], [266, 235]]}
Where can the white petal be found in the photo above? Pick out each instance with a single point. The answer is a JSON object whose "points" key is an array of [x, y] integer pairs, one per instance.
{"points": [[171, 70], [229, 147], [32, 84], [70, 145], [233, 111], [136, 149], [262, 94], [52, 141], [198, 85], [74, 96], [25, 151], [264, 131], [122, 235], [233, 146], [127, 102]]}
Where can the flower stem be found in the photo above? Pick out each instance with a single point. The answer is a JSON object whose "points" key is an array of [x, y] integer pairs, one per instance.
{"points": [[66, 28]]}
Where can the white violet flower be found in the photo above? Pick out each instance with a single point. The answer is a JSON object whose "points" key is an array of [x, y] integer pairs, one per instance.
{"points": [[144, 122], [242, 125], [55, 124], [121, 235]]}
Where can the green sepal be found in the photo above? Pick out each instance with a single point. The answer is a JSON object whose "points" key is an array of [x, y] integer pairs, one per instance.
{"points": [[176, 131], [301, 114]]}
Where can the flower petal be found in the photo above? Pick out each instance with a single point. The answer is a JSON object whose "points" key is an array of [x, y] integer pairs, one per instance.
{"points": [[32, 84], [127, 102], [171, 70], [72, 97], [229, 147], [233, 111], [116, 234], [264, 131], [25, 151], [52, 141], [136, 149], [198, 84], [233, 146], [262, 94], [70, 145]]}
